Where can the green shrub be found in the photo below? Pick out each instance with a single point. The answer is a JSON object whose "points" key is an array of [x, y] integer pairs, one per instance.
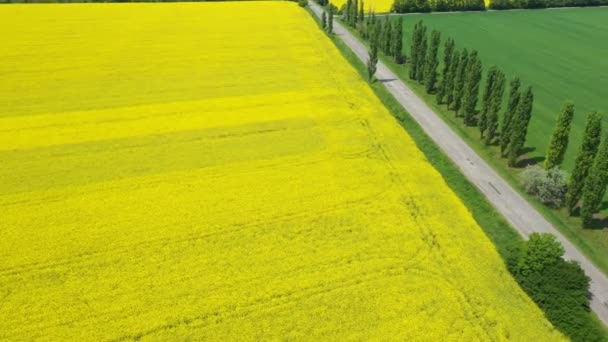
{"points": [[549, 186]]}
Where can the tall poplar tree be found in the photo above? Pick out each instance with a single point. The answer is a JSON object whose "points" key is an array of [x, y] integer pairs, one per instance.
{"points": [[422, 48], [374, 42], [347, 11], [471, 88], [432, 62], [382, 34], [559, 138], [370, 24], [361, 12], [330, 21], [498, 90], [486, 100], [451, 79], [416, 41], [584, 160], [388, 39], [324, 20], [459, 83], [448, 52], [507, 118], [398, 41], [520, 125], [595, 184]]}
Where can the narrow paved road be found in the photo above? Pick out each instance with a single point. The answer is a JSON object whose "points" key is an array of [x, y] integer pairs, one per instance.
{"points": [[503, 197]]}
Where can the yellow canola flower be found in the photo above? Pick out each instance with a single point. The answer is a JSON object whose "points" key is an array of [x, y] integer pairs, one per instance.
{"points": [[218, 171], [378, 6]]}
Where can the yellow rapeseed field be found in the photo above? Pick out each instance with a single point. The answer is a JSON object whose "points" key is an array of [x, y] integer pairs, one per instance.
{"points": [[378, 6], [217, 171]]}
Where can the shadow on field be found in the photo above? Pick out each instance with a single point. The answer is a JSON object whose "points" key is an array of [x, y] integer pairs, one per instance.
{"points": [[599, 222], [527, 149], [528, 161]]}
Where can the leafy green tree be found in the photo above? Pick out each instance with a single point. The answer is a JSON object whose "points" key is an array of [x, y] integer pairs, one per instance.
{"points": [[500, 4], [497, 92], [584, 160], [450, 82], [561, 290], [411, 6], [540, 251], [354, 15], [507, 118], [461, 77], [432, 62], [559, 138], [422, 48], [441, 6], [520, 126], [559, 287], [448, 52], [595, 184], [471, 88], [398, 41]]}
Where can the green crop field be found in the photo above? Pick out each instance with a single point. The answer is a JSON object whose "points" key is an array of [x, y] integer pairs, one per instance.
{"points": [[562, 53]]}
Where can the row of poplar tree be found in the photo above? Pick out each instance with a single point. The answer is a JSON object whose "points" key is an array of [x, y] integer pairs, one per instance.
{"points": [[461, 78], [383, 35], [589, 177], [425, 6], [459, 89]]}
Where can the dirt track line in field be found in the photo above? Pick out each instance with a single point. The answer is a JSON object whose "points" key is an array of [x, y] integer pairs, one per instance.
{"points": [[520, 214]]}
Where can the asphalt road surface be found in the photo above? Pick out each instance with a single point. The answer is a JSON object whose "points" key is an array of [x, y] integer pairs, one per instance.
{"points": [[520, 214]]}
